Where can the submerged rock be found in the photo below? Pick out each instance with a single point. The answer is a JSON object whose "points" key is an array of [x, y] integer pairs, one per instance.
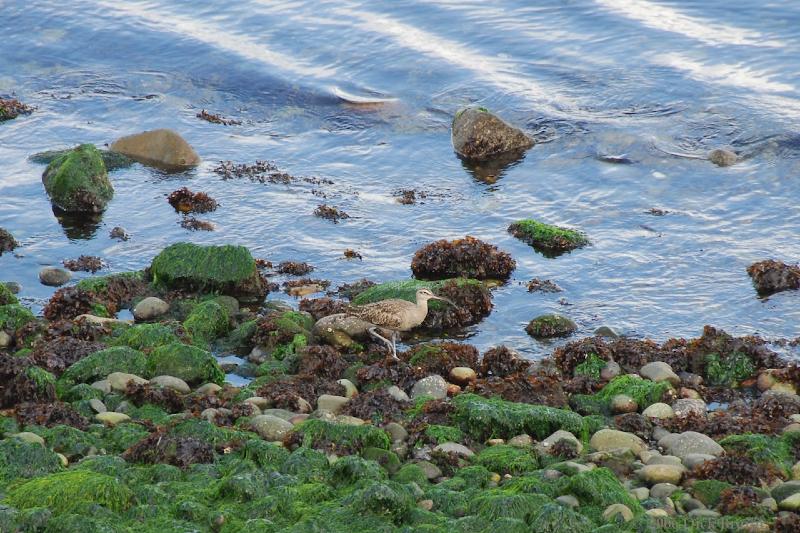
{"points": [[479, 135], [77, 182], [722, 157], [546, 239], [161, 148], [774, 276], [11, 108], [548, 326]]}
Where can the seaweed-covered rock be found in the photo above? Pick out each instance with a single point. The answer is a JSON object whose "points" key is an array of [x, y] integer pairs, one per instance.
{"points": [[468, 257], [340, 438], [13, 316], [548, 326], [21, 381], [71, 491], [555, 518], [78, 181], [226, 269], [189, 363], [774, 276], [479, 135], [282, 333], [484, 418], [549, 240], [441, 358], [20, 459], [112, 160], [7, 241], [472, 300], [161, 148], [208, 321], [179, 451], [146, 337], [100, 364], [505, 459]]}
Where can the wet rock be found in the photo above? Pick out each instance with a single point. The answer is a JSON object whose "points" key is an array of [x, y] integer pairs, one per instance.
{"points": [[226, 269], [689, 407], [690, 442], [616, 512], [7, 241], [329, 402], [549, 240], [189, 363], [659, 371], [350, 390], [622, 403], [271, 427], [612, 439], [549, 326], [160, 148], [774, 276], [171, 382], [119, 233], [150, 308], [547, 445], [478, 135], [468, 257], [331, 213], [11, 108], [658, 410], [111, 418], [462, 375], [341, 329], [543, 285], [454, 448], [84, 263], [654, 474], [208, 389], [78, 181], [434, 386], [610, 371], [722, 157], [118, 381], [398, 394]]}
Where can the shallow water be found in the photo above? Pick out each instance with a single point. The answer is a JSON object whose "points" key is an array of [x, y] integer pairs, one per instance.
{"points": [[363, 93]]}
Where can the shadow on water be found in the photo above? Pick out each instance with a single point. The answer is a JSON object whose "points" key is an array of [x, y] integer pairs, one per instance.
{"points": [[82, 226], [489, 172]]}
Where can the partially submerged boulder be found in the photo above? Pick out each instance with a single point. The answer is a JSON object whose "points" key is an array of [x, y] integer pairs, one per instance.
{"points": [[189, 363], [77, 182], [548, 326], [7, 241], [161, 148], [547, 239], [11, 108], [479, 135], [772, 276], [468, 257], [225, 269]]}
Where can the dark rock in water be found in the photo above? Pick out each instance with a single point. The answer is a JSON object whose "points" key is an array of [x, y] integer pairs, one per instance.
{"points": [[54, 277], [478, 135], [330, 213], [227, 269], [7, 241], [84, 263], [615, 159], [468, 257], [548, 326], [543, 285], [119, 233], [11, 108], [774, 276], [77, 182], [162, 148], [722, 157], [186, 201]]}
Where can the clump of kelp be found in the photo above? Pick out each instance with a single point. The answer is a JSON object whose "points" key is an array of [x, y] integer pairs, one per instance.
{"points": [[114, 426]]}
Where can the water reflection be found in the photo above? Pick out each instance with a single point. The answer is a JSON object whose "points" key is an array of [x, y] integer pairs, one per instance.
{"points": [[78, 226], [490, 171]]}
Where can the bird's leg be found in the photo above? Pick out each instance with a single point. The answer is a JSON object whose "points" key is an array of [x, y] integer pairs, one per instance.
{"points": [[374, 332], [394, 344]]}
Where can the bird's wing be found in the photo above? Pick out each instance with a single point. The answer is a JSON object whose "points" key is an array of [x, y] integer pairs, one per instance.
{"points": [[379, 313]]}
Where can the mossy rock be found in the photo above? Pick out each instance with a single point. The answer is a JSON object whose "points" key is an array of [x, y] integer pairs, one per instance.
{"points": [[225, 269], [484, 418], [240, 339], [77, 182], [100, 364], [599, 488], [70, 491], [117, 439], [496, 504], [549, 326], [351, 469], [383, 498], [411, 473], [67, 440], [385, 458], [189, 363], [643, 391], [317, 433], [265, 454], [146, 337], [547, 239], [19, 459], [440, 434], [208, 321], [505, 459], [6, 296], [775, 451], [14, 316], [729, 370], [43, 380], [307, 464], [556, 518]]}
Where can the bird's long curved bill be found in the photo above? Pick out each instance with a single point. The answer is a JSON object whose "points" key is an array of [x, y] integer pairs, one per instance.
{"points": [[444, 300]]}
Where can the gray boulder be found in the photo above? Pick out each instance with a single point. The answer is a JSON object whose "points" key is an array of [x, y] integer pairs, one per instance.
{"points": [[478, 135]]}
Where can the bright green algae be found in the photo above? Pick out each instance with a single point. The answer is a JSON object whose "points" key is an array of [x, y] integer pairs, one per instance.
{"points": [[78, 181]]}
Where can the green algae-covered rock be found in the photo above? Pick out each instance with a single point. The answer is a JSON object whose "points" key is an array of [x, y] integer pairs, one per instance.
{"points": [[14, 316], [100, 364], [43, 380], [77, 182], [71, 491], [505, 459], [347, 438], [549, 326], [597, 489], [485, 418], [6, 296], [496, 504], [643, 391], [556, 518], [226, 269], [208, 321], [189, 363], [67, 440], [351, 469], [146, 337], [547, 239], [19, 459], [727, 371]]}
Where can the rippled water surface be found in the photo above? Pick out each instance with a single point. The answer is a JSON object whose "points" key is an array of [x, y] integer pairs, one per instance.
{"points": [[363, 93]]}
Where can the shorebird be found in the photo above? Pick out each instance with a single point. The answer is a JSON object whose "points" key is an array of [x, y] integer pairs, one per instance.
{"points": [[395, 315]]}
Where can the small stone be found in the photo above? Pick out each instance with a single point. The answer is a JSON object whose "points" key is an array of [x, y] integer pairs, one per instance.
{"points": [[103, 386], [688, 442], [208, 389], [568, 500], [63, 459], [209, 414], [610, 371], [453, 389], [30, 438], [654, 474], [640, 493], [784, 490], [97, 406], [663, 490], [54, 276], [434, 386], [622, 403], [5, 339], [112, 418], [478, 135], [685, 407], [703, 513], [462, 375], [617, 511], [283, 413], [691, 504], [425, 504], [331, 403], [271, 427], [495, 442], [766, 380], [350, 420], [546, 445], [396, 432], [521, 441], [350, 389], [656, 513], [722, 157], [119, 380], [398, 394], [454, 447], [659, 371], [693, 459], [258, 401], [658, 410], [431, 470], [770, 504], [171, 382], [299, 419], [689, 394], [150, 308], [755, 527], [612, 439]]}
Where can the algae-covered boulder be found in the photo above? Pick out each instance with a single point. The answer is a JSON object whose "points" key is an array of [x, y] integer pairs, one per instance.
{"points": [[479, 135], [189, 363], [226, 269], [549, 240], [549, 326], [7, 241], [468, 257], [14, 316], [6, 296], [146, 337], [72, 491], [161, 148], [112, 160], [77, 182], [100, 364], [208, 321], [343, 438], [20, 459]]}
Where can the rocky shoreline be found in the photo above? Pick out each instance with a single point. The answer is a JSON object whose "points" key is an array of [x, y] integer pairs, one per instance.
{"points": [[126, 425]]}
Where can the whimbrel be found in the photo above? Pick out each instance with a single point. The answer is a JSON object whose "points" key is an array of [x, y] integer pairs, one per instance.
{"points": [[395, 315]]}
